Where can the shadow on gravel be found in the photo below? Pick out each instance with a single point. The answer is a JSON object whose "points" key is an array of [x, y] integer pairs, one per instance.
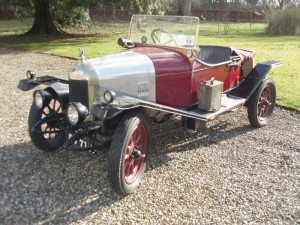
{"points": [[186, 140], [67, 186]]}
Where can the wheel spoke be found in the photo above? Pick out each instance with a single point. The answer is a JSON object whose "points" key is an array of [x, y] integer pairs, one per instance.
{"points": [[138, 139], [129, 169], [50, 111], [131, 143], [262, 112], [59, 108], [127, 156], [128, 153], [54, 105], [135, 166]]}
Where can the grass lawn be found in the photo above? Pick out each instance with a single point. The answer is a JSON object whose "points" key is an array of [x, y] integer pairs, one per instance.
{"points": [[100, 39]]}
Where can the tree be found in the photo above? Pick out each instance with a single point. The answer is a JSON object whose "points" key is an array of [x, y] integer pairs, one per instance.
{"points": [[49, 15], [45, 12], [184, 7], [44, 21]]}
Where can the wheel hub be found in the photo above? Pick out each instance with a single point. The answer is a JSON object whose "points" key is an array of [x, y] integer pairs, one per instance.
{"points": [[136, 153]]}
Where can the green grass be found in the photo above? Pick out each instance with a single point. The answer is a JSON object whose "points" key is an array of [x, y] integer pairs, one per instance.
{"points": [[101, 38], [97, 40]]}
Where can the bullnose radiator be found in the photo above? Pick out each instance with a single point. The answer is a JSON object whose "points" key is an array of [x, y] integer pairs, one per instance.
{"points": [[79, 91]]}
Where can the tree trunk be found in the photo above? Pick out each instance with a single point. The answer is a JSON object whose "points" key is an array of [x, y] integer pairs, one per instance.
{"points": [[184, 7], [252, 3], [44, 22], [110, 11], [281, 4]]}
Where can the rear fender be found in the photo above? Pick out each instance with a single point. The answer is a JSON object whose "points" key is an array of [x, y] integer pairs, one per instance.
{"points": [[254, 79]]}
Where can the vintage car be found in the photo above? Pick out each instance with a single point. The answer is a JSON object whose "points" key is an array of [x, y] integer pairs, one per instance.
{"points": [[161, 72]]}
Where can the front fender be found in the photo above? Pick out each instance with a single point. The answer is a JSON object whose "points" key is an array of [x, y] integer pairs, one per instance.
{"points": [[61, 90], [30, 83], [56, 87]]}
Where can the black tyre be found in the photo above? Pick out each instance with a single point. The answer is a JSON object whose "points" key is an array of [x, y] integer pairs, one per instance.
{"points": [[261, 103], [52, 139], [128, 152]]}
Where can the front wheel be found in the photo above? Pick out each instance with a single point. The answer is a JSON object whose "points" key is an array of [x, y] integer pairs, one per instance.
{"points": [[261, 103], [128, 152], [48, 136]]}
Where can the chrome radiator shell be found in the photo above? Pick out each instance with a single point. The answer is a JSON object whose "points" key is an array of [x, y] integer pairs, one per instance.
{"points": [[127, 72]]}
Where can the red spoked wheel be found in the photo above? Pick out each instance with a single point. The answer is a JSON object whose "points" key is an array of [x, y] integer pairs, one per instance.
{"points": [[261, 104], [135, 154], [128, 153], [48, 136]]}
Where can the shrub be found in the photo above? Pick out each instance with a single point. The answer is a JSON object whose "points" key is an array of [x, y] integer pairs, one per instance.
{"points": [[286, 22]]}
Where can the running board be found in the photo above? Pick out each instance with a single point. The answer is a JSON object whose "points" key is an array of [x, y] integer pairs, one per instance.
{"points": [[227, 104]]}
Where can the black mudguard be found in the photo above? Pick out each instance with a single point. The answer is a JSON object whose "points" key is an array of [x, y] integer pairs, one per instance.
{"points": [[56, 86], [254, 79], [28, 84]]}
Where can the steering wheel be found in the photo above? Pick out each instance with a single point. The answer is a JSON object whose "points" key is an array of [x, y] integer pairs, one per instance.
{"points": [[155, 37]]}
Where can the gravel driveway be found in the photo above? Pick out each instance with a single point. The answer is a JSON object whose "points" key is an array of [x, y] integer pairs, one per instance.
{"points": [[228, 174]]}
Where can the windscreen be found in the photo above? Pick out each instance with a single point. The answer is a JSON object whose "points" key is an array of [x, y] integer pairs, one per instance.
{"points": [[172, 31]]}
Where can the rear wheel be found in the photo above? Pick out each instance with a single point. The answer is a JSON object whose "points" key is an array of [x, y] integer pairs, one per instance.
{"points": [[48, 136], [128, 153], [261, 103]]}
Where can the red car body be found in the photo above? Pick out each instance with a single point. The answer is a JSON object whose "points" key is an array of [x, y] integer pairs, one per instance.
{"points": [[178, 79]]}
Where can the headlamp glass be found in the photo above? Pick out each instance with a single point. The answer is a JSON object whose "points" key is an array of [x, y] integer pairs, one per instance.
{"points": [[38, 99], [72, 114]]}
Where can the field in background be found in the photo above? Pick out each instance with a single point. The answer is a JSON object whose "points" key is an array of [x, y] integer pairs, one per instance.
{"points": [[101, 38]]}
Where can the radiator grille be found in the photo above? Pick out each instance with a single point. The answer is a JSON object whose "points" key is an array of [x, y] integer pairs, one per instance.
{"points": [[143, 90], [79, 92]]}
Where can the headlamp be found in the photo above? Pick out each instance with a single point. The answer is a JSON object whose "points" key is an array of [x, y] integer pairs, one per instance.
{"points": [[41, 98], [109, 96], [76, 113]]}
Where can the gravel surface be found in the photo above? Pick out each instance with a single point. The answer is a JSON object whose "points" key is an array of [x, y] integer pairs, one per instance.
{"points": [[230, 173]]}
